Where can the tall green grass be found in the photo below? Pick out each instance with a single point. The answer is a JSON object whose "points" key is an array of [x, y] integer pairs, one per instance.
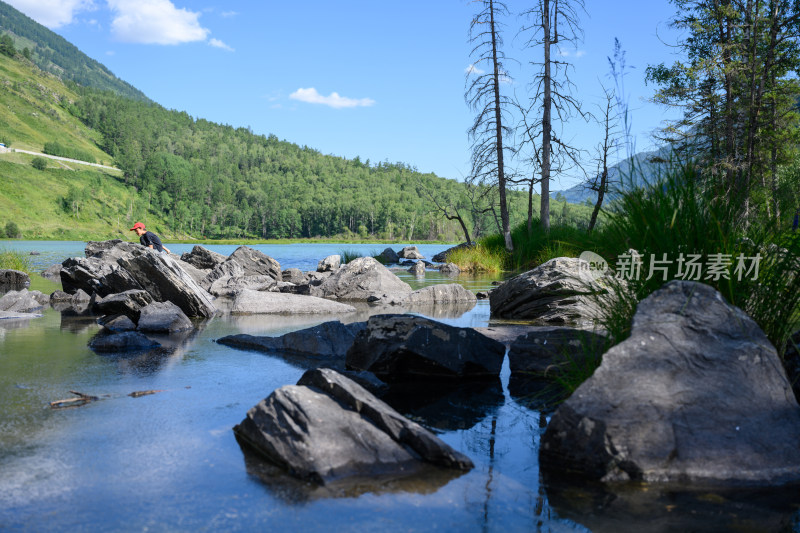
{"points": [[11, 259]]}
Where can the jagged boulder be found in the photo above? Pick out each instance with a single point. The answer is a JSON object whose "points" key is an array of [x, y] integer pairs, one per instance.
{"points": [[327, 428], [249, 302], [363, 279], [256, 263], [227, 269], [418, 269], [408, 348], [696, 394], [21, 301], [389, 256], [159, 275], [203, 258], [14, 278], [560, 291], [410, 252], [128, 303], [163, 317], [330, 263], [295, 276], [117, 323], [549, 350], [441, 294], [93, 275]]}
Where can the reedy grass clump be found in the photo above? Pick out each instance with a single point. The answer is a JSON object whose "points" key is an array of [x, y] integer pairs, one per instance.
{"points": [[349, 255], [11, 259], [479, 258]]}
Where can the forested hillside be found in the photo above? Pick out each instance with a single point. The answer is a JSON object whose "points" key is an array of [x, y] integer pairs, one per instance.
{"points": [[54, 54], [194, 178]]}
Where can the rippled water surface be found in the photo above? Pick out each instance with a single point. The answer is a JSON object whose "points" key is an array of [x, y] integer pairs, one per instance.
{"points": [[168, 461]]}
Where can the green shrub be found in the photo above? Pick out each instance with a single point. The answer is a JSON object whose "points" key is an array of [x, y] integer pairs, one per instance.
{"points": [[12, 230], [349, 255], [39, 163]]}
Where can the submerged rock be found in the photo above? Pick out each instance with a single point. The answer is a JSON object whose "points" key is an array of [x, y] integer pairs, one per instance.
{"points": [[128, 341], [325, 343], [327, 428], [696, 394], [363, 279]]}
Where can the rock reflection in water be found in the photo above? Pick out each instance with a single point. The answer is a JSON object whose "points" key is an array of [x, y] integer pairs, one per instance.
{"points": [[446, 406], [148, 362], [77, 323], [425, 480], [635, 508], [451, 310]]}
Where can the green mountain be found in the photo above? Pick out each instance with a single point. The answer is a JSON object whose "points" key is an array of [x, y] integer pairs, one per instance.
{"points": [[54, 54], [186, 177]]}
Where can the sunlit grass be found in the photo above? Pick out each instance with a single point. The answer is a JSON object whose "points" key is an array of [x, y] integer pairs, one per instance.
{"points": [[14, 260]]}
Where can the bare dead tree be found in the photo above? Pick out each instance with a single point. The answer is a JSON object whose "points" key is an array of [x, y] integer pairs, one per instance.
{"points": [[611, 132], [484, 96], [554, 23]]}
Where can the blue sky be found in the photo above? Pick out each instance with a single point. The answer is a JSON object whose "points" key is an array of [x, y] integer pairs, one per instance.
{"points": [[379, 80]]}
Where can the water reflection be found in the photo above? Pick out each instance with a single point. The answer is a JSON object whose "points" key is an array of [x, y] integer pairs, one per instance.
{"points": [[446, 406], [636, 508], [425, 480]]}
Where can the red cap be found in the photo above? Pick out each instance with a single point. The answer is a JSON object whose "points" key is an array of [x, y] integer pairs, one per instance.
{"points": [[137, 226]]}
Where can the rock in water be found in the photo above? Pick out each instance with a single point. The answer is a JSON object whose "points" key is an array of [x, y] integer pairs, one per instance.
{"points": [[408, 348], [163, 317], [363, 279], [696, 394], [249, 302], [164, 279], [327, 427], [256, 263]]}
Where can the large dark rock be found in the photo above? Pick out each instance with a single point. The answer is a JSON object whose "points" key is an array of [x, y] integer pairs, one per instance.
{"points": [[163, 317], [14, 278], [111, 250], [442, 257], [696, 394], [325, 343], [406, 348], [389, 256], [559, 291], [363, 279], [410, 252], [327, 427], [203, 258], [547, 351], [256, 263], [128, 303], [95, 276], [440, 294], [161, 276], [329, 264], [294, 275]]}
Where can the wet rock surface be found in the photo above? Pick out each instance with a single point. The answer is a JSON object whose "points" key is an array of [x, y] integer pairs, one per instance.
{"points": [[363, 279], [696, 394], [259, 302], [327, 428], [405, 347]]}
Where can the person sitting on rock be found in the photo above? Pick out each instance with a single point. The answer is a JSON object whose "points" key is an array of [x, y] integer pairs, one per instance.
{"points": [[148, 238]]}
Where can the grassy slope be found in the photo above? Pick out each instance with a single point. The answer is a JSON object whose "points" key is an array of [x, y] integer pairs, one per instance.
{"points": [[30, 115]]}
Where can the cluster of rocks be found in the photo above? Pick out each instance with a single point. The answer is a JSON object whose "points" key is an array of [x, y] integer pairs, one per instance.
{"points": [[418, 263], [333, 424]]}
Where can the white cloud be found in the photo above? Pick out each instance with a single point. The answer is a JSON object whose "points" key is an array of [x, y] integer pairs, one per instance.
{"points": [[155, 22], [580, 53], [472, 69], [216, 43], [228, 14], [52, 13], [311, 96]]}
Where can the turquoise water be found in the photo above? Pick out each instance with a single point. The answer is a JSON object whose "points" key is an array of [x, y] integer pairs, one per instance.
{"points": [[168, 461]]}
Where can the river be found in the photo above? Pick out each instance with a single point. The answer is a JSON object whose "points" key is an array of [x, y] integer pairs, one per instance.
{"points": [[169, 461]]}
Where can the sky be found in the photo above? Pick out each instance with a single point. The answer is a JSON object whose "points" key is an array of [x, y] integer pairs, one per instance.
{"points": [[381, 80]]}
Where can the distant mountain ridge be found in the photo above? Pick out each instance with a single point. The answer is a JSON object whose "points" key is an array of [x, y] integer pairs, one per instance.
{"points": [[632, 172], [54, 54]]}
